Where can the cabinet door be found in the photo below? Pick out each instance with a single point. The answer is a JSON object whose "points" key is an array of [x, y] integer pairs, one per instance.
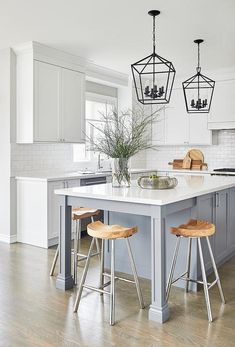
{"points": [[53, 209], [158, 130], [73, 105], [199, 134], [177, 119], [222, 114], [72, 183], [46, 102], [221, 223]]}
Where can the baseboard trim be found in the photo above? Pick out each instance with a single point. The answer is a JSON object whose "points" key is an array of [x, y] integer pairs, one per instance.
{"points": [[8, 239]]}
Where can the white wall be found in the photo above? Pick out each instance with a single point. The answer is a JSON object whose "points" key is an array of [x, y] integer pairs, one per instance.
{"points": [[7, 232]]}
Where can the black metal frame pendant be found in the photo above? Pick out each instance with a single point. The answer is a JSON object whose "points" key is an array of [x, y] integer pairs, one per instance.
{"points": [[198, 89], [153, 75]]}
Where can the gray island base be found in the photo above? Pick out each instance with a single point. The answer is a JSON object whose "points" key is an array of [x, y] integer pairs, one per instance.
{"points": [[154, 212]]}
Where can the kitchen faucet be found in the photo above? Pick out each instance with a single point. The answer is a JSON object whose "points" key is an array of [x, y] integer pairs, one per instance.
{"points": [[99, 166]]}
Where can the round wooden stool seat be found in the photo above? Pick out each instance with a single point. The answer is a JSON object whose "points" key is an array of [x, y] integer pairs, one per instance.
{"points": [[194, 228], [100, 230], [83, 212]]}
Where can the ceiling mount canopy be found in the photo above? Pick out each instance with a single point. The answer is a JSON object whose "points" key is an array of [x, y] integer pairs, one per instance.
{"points": [[153, 75], [198, 89]]}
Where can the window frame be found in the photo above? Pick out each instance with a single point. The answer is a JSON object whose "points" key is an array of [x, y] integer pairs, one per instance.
{"points": [[100, 98]]}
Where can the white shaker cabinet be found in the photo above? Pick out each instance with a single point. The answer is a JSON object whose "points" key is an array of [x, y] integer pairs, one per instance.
{"points": [[38, 210], [199, 134], [47, 85], [222, 115], [50, 97], [175, 126], [177, 120], [72, 105]]}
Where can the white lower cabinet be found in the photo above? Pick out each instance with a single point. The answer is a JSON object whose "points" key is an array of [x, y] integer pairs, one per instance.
{"points": [[38, 210]]}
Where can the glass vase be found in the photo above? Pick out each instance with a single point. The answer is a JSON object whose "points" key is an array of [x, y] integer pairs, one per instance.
{"points": [[121, 176]]}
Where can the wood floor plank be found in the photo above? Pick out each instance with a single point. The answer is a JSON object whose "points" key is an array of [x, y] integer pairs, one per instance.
{"points": [[34, 313]]}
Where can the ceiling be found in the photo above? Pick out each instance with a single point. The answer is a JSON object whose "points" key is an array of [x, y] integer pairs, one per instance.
{"points": [[116, 33]]}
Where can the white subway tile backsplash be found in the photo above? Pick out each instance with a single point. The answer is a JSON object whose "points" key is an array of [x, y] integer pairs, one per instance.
{"points": [[221, 155], [40, 157]]}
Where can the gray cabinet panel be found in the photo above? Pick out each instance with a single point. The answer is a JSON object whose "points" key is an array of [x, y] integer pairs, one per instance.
{"points": [[205, 210], [231, 213], [221, 223]]}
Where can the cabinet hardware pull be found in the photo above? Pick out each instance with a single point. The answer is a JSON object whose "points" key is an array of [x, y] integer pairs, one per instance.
{"points": [[94, 182]]}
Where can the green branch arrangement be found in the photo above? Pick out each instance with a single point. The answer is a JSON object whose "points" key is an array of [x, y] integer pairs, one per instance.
{"points": [[124, 134]]}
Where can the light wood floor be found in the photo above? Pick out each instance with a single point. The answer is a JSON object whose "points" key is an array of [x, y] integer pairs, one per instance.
{"points": [[34, 313]]}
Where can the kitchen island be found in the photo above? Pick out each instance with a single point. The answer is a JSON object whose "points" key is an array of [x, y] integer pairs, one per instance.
{"points": [[154, 211]]}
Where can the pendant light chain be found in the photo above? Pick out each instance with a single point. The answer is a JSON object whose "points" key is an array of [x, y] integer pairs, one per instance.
{"points": [[154, 35], [198, 58]]}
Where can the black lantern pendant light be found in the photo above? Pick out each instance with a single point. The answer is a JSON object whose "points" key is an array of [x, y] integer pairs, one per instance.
{"points": [[198, 89], [153, 75]]}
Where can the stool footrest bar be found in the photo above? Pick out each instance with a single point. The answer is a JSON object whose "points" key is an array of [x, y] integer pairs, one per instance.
{"points": [[84, 257], [179, 278], [210, 285], [119, 278], [95, 289]]}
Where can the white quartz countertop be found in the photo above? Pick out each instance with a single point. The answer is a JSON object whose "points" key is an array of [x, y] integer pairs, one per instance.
{"points": [[189, 186], [200, 172], [56, 175]]}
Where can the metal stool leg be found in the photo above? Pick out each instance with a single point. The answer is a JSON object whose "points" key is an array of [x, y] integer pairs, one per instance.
{"points": [[112, 288], [215, 271], [172, 269], [188, 263], [75, 250], [133, 267], [54, 261], [96, 241], [206, 292], [79, 293], [102, 266]]}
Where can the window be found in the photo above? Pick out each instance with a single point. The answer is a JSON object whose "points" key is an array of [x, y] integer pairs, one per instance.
{"points": [[95, 105]]}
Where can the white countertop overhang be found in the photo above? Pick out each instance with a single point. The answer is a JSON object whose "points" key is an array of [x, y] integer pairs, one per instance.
{"points": [[188, 187]]}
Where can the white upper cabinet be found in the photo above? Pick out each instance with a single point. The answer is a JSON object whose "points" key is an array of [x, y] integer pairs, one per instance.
{"points": [[222, 114], [50, 96], [175, 126], [177, 120], [73, 105], [198, 130], [47, 81]]}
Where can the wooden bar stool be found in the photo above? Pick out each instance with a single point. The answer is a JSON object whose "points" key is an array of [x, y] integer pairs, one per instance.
{"points": [[98, 230], [77, 215], [195, 229]]}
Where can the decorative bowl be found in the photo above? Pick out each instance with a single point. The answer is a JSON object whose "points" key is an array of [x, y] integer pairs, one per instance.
{"points": [[157, 182]]}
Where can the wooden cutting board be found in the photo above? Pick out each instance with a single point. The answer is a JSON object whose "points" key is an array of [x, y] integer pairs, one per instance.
{"points": [[187, 162], [196, 154]]}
